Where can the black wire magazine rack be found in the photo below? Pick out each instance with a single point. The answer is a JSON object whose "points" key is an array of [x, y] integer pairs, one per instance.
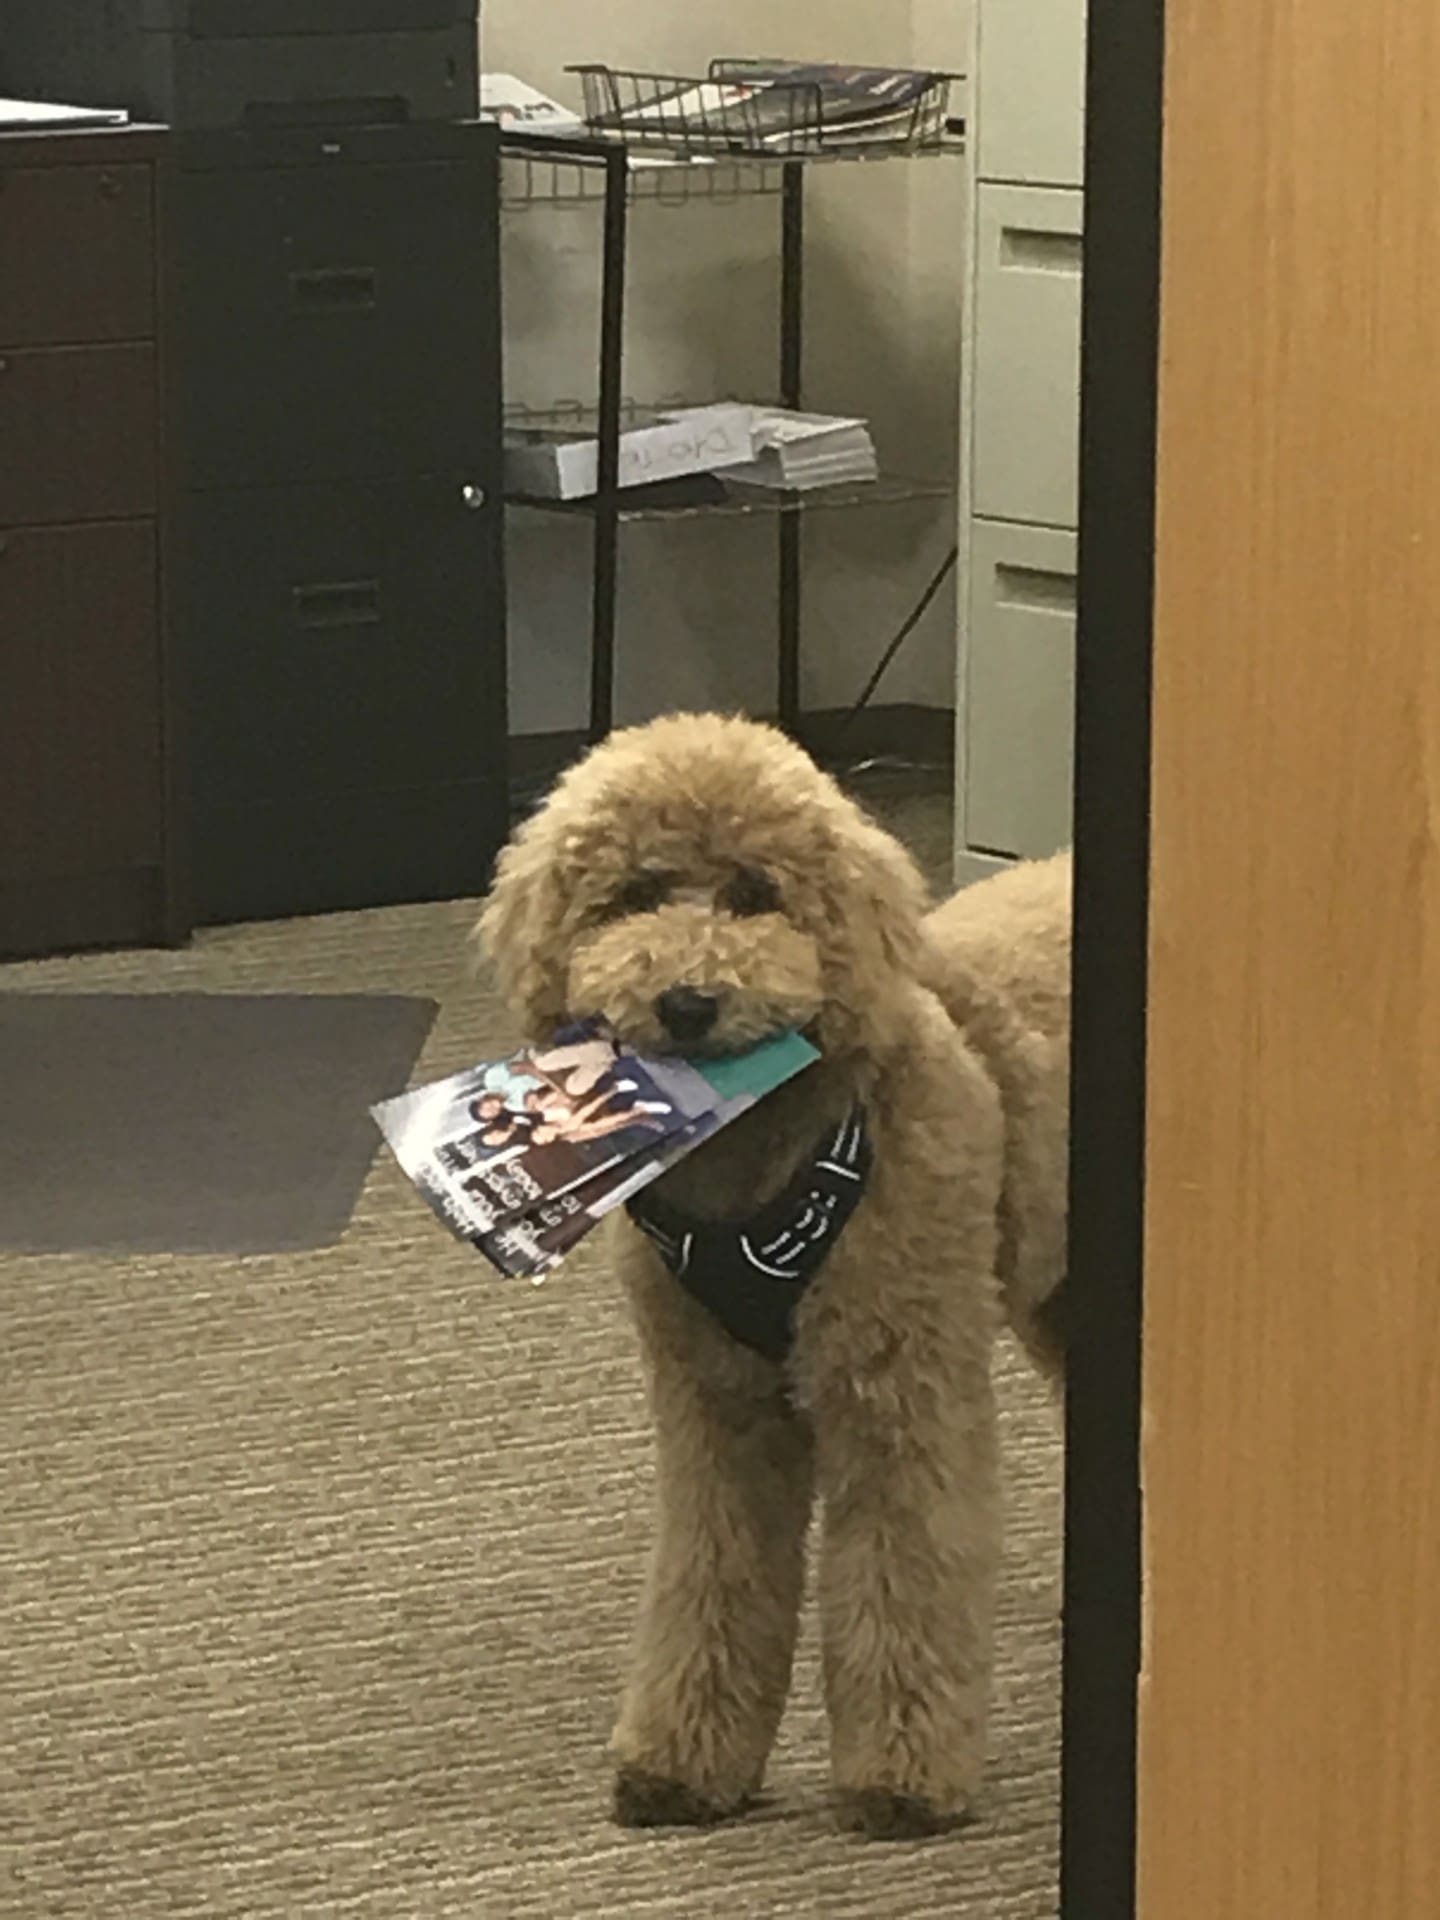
{"points": [[783, 108], [612, 169]]}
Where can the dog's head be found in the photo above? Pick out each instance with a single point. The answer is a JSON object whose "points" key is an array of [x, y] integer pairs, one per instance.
{"points": [[699, 884]]}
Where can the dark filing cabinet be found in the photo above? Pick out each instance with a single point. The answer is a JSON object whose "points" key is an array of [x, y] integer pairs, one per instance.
{"points": [[341, 591], [90, 849], [228, 63], [337, 590]]}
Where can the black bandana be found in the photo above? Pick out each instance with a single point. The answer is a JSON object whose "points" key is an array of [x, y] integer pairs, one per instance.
{"points": [[751, 1273]]}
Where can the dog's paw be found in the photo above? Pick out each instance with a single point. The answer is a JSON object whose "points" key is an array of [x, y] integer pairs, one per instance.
{"points": [[648, 1800], [880, 1813]]}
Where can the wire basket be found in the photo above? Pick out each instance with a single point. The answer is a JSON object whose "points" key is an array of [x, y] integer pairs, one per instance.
{"points": [[781, 108]]}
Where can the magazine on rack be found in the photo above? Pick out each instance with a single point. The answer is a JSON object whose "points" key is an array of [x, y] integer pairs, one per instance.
{"points": [[522, 1156], [752, 103], [852, 100]]}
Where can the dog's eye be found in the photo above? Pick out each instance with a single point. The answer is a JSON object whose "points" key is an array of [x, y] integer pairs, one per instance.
{"points": [[641, 893], [751, 891]]}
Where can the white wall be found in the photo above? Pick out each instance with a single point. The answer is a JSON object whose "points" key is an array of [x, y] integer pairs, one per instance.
{"points": [[882, 309]]}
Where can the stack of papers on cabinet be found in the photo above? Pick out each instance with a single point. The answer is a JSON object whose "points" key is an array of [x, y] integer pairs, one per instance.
{"points": [[36, 116], [800, 450]]}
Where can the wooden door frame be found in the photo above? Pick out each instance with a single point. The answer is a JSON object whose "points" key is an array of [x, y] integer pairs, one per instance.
{"points": [[1103, 1543]]}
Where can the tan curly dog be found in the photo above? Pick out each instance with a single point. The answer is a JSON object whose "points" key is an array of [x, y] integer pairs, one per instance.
{"points": [[699, 884]]}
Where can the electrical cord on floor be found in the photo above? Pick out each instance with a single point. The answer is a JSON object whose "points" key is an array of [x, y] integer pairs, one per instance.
{"points": [[913, 619]]}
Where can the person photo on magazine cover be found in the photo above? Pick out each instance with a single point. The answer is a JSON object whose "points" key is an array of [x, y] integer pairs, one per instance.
{"points": [[558, 1160], [579, 1097], [558, 1145], [545, 1119], [580, 1063], [574, 1066], [561, 1118], [544, 1122], [578, 1066]]}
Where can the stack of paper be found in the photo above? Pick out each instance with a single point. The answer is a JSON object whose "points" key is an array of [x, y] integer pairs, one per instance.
{"points": [[520, 107], [37, 116], [799, 450], [521, 1157]]}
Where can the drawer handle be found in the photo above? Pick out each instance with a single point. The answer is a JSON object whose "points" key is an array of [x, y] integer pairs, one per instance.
{"points": [[338, 603], [1036, 589], [334, 290], [1041, 252]]}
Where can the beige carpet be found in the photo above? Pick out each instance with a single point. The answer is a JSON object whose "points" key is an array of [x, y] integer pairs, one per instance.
{"points": [[316, 1570]]}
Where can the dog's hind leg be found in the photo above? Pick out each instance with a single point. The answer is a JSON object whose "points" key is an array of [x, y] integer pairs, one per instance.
{"points": [[710, 1668]]}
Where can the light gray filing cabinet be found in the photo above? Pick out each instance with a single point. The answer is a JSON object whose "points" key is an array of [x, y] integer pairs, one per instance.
{"points": [[1020, 434]]}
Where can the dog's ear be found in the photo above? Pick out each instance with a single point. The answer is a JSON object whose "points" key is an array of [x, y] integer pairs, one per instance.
{"points": [[901, 901], [519, 929], [880, 903]]}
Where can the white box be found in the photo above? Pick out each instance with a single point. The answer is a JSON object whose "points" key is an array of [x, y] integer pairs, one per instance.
{"points": [[554, 465]]}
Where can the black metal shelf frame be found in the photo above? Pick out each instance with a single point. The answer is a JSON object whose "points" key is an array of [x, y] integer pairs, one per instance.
{"points": [[608, 507]]}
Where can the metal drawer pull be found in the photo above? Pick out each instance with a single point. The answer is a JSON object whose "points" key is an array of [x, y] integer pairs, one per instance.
{"points": [[334, 289], [1038, 589], [338, 603], [1041, 252]]}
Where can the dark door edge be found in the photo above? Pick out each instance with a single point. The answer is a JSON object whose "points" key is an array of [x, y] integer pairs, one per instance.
{"points": [[1103, 1535]]}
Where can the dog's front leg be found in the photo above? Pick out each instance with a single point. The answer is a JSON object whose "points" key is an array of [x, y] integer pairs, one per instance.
{"points": [[710, 1668], [908, 1473]]}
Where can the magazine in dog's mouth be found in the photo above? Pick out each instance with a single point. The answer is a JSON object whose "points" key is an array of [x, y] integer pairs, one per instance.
{"points": [[523, 1156]]}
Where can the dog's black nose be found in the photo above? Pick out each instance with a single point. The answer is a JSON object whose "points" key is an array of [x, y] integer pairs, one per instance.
{"points": [[686, 1013]]}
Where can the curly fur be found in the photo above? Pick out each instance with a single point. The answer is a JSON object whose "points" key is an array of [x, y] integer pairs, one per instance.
{"points": [[711, 852]]}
